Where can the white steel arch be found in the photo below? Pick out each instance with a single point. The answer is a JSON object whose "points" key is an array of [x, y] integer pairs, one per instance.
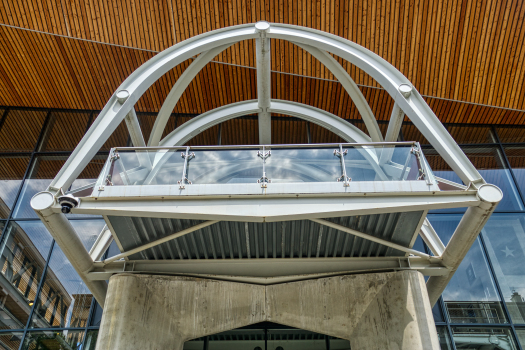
{"points": [[177, 90], [320, 45], [195, 126], [395, 83]]}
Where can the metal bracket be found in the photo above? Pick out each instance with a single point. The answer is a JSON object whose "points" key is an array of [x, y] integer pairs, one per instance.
{"points": [[264, 181], [114, 156], [187, 157], [108, 180], [264, 155], [341, 155]]}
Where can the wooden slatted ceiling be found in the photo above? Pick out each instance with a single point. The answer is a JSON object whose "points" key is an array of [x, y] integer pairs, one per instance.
{"points": [[467, 50]]}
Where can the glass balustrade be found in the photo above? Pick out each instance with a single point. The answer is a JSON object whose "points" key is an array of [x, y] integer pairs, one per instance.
{"points": [[402, 161]]}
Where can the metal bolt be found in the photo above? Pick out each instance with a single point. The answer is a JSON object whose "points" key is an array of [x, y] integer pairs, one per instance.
{"points": [[405, 90], [122, 96], [262, 26]]}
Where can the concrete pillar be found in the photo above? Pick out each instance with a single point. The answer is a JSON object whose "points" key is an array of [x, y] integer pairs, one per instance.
{"points": [[373, 311], [160, 313]]}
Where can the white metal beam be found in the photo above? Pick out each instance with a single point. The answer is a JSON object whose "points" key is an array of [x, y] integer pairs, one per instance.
{"points": [[206, 120], [351, 88], [283, 189], [431, 238], [345, 130], [394, 82], [263, 59], [327, 120], [270, 208], [372, 238], [135, 132], [384, 73], [135, 86], [160, 241], [266, 271], [102, 243], [178, 89], [394, 126], [65, 235], [464, 236]]}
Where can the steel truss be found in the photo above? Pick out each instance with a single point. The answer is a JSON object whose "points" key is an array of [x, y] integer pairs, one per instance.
{"points": [[276, 203]]}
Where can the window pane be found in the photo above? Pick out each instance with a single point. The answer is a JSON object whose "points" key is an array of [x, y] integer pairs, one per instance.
{"points": [[436, 312], [97, 315], [24, 250], [88, 230], [286, 130], [441, 169], [20, 130], [511, 134], [91, 340], [521, 336], [505, 239], [483, 338], [444, 338], [241, 131], [489, 162], [207, 137], [438, 165], [322, 135], [64, 300], [10, 340], [43, 170], [411, 133], [516, 157], [12, 170], [471, 295], [119, 138], [53, 340], [472, 134], [64, 131]]}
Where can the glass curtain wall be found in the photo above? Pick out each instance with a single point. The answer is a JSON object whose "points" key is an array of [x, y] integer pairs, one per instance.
{"points": [[44, 304]]}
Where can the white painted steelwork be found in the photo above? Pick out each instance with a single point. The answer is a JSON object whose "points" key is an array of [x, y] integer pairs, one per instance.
{"points": [[273, 202]]}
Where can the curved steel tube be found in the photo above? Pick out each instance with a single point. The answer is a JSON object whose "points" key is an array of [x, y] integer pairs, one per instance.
{"points": [[384, 73], [339, 126], [351, 88], [178, 89]]}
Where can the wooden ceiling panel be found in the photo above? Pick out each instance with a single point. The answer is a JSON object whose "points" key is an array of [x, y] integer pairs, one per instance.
{"points": [[463, 50]]}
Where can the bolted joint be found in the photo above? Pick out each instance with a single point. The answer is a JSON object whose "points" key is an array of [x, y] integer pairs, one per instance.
{"points": [[42, 203], [489, 195], [405, 90], [122, 96], [262, 27]]}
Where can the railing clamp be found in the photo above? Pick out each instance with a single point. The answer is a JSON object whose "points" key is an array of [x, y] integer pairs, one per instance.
{"points": [[344, 178], [187, 157], [264, 181]]}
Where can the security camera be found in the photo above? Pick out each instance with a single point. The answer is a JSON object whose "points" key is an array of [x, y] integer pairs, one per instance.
{"points": [[67, 202]]}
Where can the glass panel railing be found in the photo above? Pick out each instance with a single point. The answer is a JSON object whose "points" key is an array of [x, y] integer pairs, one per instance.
{"points": [[385, 163], [144, 167], [302, 165], [215, 166], [265, 164]]}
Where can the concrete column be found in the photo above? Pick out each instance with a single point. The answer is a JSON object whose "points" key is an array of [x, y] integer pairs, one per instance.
{"points": [[373, 311], [160, 313]]}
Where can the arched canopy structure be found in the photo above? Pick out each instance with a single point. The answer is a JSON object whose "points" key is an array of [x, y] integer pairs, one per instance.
{"points": [[318, 43], [312, 202]]}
